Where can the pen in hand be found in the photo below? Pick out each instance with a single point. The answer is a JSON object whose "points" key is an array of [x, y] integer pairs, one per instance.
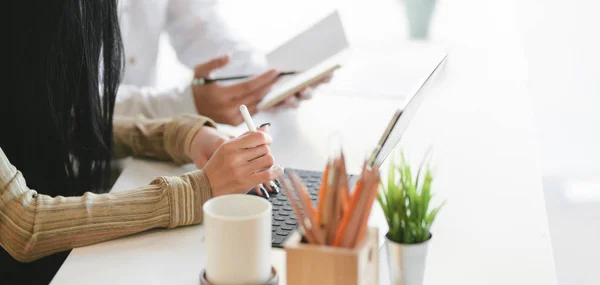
{"points": [[205, 80], [252, 128]]}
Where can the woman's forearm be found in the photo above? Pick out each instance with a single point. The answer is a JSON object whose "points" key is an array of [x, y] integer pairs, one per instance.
{"points": [[164, 139], [33, 225]]}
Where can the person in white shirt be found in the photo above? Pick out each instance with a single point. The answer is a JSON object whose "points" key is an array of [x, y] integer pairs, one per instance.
{"points": [[198, 34]]}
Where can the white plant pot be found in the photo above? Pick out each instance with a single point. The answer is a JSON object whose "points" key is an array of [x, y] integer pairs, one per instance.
{"points": [[418, 14], [406, 262]]}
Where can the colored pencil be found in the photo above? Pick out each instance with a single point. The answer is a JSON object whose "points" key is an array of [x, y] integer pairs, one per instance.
{"points": [[365, 215], [358, 188], [353, 224], [344, 182], [302, 194], [322, 191], [307, 231], [340, 218]]}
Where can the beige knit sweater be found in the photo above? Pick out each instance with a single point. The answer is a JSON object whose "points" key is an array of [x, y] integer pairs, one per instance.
{"points": [[33, 225]]}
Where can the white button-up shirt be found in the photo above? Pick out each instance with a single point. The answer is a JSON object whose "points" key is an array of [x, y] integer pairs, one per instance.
{"points": [[197, 33]]}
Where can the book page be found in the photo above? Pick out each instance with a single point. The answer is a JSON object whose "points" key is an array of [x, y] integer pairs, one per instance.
{"points": [[313, 52]]}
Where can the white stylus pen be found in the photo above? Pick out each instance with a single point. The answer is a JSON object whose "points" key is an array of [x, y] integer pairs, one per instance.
{"points": [[251, 128], [248, 119]]}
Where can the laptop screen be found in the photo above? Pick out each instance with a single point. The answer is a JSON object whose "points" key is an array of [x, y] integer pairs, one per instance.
{"points": [[401, 119]]}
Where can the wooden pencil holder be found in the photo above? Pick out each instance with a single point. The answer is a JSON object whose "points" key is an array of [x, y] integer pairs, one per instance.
{"points": [[314, 264]]}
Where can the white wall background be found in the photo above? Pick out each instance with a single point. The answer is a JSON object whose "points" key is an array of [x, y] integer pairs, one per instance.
{"points": [[562, 41]]}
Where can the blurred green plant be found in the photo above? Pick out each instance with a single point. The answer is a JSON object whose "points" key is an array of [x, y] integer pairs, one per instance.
{"points": [[406, 202]]}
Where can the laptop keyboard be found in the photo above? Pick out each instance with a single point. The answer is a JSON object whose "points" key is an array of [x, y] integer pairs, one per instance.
{"points": [[284, 220]]}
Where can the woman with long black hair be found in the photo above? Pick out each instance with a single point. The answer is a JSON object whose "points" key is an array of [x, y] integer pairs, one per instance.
{"points": [[58, 136]]}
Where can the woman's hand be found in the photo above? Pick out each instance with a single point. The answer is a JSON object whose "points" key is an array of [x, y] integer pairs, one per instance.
{"points": [[240, 164], [204, 145]]}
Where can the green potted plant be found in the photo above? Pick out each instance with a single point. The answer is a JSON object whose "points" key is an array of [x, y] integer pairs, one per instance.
{"points": [[406, 203]]}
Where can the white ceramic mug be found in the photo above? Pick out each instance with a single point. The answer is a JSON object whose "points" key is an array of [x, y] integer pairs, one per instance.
{"points": [[238, 239]]}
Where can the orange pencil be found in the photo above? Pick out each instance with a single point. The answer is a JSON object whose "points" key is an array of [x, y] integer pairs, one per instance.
{"points": [[330, 204], [365, 215], [303, 194], [337, 209], [351, 208], [307, 206], [344, 190], [322, 191], [346, 218], [328, 193], [307, 231], [353, 224]]}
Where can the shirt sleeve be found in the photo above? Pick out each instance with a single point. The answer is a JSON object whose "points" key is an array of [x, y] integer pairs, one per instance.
{"points": [[33, 225], [198, 33], [163, 139], [150, 102]]}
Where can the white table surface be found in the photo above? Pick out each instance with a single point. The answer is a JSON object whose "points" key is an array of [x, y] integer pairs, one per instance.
{"points": [[493, 229]]}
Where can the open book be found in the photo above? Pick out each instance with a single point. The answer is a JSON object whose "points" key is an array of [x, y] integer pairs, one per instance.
{"points": [[316, 52]]}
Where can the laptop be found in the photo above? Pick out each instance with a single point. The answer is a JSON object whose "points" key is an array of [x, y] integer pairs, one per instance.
{"points": [[284, 221]]}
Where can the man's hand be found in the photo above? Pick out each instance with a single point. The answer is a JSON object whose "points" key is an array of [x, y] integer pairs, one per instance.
{"points": [[221, 103], [304, 94]]}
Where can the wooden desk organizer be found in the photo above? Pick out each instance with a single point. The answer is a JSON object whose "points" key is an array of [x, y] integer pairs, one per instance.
{"points": [[311, 264]]}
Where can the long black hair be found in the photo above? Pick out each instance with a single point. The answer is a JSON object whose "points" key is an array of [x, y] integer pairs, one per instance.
{"points": [[56, 116], [56, 105]]}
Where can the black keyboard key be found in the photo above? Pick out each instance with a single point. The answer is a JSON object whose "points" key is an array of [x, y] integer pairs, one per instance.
{"points": [[282, 232], [278, 240], [287, 227]]}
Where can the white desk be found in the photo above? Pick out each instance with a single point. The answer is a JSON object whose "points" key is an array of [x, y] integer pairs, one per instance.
{"points": [[492, 231], [494, 228]]}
